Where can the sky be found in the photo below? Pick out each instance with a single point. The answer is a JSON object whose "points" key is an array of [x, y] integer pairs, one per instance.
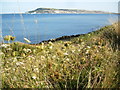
{"points": [[21, 6]]}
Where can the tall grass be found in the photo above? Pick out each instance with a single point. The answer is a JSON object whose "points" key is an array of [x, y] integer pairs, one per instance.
{"points": [[87, 61]]}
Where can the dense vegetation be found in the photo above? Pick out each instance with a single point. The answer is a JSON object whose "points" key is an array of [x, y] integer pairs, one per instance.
{"points": [[87, 61]]}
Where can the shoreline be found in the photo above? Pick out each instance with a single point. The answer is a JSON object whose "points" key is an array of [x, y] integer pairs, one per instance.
{"points": [[67, 37]]}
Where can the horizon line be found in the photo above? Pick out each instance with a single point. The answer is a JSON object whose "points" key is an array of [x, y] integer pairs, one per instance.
{"points": [[57, 8]]}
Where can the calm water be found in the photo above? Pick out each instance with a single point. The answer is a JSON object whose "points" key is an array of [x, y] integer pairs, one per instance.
{"points": [[39, 27]]}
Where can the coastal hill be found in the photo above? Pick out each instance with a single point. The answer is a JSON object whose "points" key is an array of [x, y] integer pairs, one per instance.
{"points": [[84, 61], [63, 11]]}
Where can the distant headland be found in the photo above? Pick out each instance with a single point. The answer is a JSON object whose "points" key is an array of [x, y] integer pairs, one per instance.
{"points": [[65, 11]]}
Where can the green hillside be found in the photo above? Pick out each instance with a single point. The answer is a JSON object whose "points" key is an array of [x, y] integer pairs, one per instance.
{"points": [[86, 61]]}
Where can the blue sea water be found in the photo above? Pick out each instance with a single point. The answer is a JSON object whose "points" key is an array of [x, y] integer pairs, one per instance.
{"points": [[39, 27]]}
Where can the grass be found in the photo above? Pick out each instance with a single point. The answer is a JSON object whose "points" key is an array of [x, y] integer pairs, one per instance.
{"points": [[87, 61]]}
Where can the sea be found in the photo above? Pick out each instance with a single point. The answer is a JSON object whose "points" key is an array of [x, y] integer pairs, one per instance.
{"points": [[41, 27]]}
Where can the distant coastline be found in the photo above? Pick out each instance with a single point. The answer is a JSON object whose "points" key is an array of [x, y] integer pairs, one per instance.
{"points": [[65, 11], [62, 11]]}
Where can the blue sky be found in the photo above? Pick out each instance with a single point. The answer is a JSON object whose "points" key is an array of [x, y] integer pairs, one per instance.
{"points": [[11, 6]]}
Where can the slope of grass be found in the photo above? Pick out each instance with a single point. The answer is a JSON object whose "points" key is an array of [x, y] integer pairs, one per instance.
{"points": [[87, 61]]}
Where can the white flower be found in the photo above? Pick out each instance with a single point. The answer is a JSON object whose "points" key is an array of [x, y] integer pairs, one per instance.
{"points": [[88, 47], [14, 78], [36, 69], [14, 59], [1, 53], [9, 49], [50, 47], [67, 59], [66, 54], [97, 51], [33, 77], [27, 50], [54, 56], [87, 51], [50, 43], [19, 63], [83, 43], [73, 51], [99, 47], [13, 69], [42, 57], [4, 45]]}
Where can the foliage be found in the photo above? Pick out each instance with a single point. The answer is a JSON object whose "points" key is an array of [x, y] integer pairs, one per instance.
{"points": [[87, 61]]}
